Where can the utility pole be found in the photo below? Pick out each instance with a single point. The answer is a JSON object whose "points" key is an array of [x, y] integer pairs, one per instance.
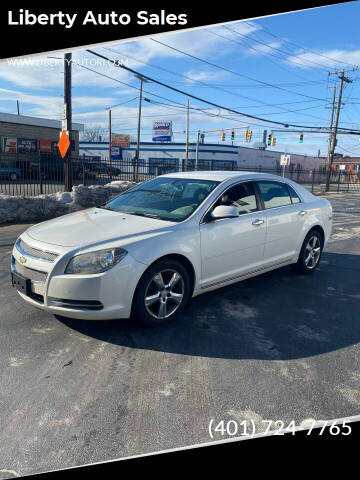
{"points": [[328, 166], [137, 155], [67, 122], [110, 143], [343, 79], [187, 137], [18, 107]]}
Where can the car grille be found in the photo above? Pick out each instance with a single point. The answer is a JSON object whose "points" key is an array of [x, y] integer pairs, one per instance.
{"points": [[34, 275], [24, 248]]}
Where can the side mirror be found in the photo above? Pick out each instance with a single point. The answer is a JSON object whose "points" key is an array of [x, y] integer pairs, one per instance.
{"points": [[224, 211]]}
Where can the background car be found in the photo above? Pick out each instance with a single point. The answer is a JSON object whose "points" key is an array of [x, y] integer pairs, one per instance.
{"points": [[9, 172], [96, 170], [50, 168]]}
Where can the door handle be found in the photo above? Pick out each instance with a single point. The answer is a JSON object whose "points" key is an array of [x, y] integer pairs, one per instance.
{"points": [[258, 221], [303, 212]]}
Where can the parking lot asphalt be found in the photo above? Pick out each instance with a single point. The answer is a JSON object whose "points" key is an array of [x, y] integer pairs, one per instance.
{"points": [[275, 347]]}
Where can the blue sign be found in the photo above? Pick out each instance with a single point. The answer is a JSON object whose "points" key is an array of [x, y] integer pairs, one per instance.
{"points": [[162, 138]]}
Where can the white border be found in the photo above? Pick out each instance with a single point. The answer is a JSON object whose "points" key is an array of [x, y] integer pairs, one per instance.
{"points": [[317, 424]]}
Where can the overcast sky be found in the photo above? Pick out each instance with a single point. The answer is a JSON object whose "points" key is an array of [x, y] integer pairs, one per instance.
{"points": [[275, 68]]}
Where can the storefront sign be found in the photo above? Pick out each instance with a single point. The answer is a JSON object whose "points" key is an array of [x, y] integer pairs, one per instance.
{"points": [[120, 140], [162, 131]]}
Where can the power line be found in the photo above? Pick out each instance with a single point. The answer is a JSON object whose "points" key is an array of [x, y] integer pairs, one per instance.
{"points": [[122, 103], [201, 82], [266, 30], [116, 64], [242, 42], [162, 97], [235, 73], [273, 48]]}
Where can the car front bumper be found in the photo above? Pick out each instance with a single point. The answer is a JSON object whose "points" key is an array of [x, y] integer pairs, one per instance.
{"points": [[103, 296]]}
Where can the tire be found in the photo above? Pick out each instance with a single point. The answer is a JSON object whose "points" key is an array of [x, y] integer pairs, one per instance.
{"points": [[310, 253], [166, 303], [13, 176]]}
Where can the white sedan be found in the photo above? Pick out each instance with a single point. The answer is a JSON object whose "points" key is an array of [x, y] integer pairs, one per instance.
{"points": [[149, 250]]}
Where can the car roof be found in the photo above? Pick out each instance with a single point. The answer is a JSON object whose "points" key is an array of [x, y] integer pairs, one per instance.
{"points": [[220, 175]]}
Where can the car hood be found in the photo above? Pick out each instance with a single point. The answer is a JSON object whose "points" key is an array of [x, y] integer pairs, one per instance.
{"points": [[93, 226]]}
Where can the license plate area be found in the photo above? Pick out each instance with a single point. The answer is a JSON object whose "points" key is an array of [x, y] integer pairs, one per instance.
{"points": [[21, 283]]}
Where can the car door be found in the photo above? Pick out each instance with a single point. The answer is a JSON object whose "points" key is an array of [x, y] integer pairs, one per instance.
{"points": [[285, 219], [232, 247]]}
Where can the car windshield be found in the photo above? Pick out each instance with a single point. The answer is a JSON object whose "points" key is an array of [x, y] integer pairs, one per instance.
{"points": [[164, 198]]}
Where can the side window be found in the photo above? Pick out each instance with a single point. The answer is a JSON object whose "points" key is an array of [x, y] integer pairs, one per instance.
{"points": [[242, 196], [293, 195], [275, 194]]}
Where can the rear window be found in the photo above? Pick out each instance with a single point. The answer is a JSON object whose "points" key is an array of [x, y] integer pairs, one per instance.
{"points": [[275, 194]]}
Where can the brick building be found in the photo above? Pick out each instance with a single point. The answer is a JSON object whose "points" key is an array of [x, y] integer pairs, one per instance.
{"points": [[22, 134], [349, 165]]}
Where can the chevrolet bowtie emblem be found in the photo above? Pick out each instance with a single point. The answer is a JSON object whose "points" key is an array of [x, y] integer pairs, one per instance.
{"points": [[22, 259]]}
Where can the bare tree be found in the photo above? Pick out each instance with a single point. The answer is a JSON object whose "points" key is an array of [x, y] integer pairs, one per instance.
{"points": [[95, 134]]}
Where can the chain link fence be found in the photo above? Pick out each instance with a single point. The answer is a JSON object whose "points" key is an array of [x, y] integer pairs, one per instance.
{"points": [[38, 173]]}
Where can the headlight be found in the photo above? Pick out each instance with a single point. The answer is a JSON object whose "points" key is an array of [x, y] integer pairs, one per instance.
{"points": [[95, 262]]}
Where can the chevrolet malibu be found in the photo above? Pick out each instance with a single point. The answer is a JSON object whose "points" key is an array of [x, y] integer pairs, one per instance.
{"points": [[146, 252]]}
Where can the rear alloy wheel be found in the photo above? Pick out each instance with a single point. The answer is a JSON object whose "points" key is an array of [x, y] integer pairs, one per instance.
{"points": [[162, 293], [310, 253]]}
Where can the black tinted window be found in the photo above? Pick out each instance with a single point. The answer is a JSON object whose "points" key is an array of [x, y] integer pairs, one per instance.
{"points": [[241, 196], [275, 194], [293, 195]]}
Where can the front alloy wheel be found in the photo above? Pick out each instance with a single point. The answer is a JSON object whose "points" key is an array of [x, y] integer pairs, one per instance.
{"points": [[162, 293]]}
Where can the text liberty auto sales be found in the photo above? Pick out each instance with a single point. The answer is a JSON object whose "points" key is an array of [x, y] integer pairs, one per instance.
{"points": [[25, 17]]}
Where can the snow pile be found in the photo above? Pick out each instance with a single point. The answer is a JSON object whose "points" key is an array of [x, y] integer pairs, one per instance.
{"points": [[15, 209]]}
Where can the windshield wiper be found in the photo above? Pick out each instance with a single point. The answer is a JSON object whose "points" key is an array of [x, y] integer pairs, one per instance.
{"points": [[104, 207], [143, 214], [140, 214]]}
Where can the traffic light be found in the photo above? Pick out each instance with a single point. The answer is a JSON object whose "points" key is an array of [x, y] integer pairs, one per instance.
{"points": [[223, 137], [248, 135], [232, 134], [273, 141], [269, 142], [301, 138]]}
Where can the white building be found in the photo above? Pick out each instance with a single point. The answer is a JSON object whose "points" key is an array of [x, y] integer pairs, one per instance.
{"points": [[163, 157], [253, 157]]}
